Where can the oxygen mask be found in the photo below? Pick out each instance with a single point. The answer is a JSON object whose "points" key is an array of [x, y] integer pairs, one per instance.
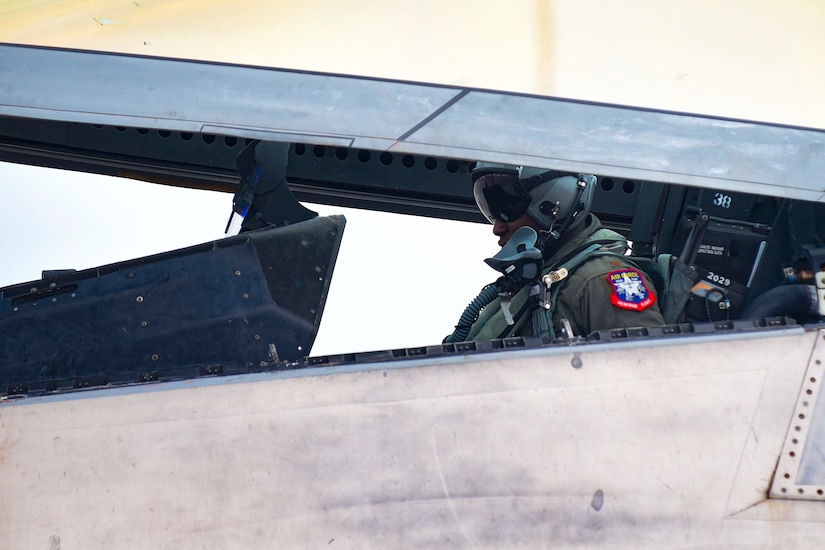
{"points": [[520, 263]]}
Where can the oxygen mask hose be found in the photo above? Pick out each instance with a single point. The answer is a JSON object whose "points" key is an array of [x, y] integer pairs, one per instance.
{"points": [[471, 313]]}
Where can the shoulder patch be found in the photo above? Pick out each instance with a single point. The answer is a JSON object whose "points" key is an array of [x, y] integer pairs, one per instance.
{"points": [[629, 291]]}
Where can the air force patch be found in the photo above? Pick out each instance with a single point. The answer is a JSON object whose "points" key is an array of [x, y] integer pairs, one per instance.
{"points": [[629, 290]]}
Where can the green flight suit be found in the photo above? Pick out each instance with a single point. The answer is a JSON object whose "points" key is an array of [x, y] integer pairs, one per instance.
{"points": [[587, 299]]}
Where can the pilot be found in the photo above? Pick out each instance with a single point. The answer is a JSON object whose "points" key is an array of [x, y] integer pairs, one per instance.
{"points": [[596, 287]]}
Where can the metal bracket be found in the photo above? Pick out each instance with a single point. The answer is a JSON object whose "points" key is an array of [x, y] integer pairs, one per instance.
{"points": [[800, 474], [263, 198], [548, 280]]}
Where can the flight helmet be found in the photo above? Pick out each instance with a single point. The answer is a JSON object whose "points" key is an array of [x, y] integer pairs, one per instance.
{"points": [[557, 201]]}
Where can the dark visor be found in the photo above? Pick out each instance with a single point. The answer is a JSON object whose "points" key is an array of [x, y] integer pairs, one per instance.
{"points": [[500, 197]]}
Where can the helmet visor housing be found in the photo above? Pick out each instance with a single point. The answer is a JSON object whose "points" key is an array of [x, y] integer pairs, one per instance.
{"points": [[501, 196]]}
